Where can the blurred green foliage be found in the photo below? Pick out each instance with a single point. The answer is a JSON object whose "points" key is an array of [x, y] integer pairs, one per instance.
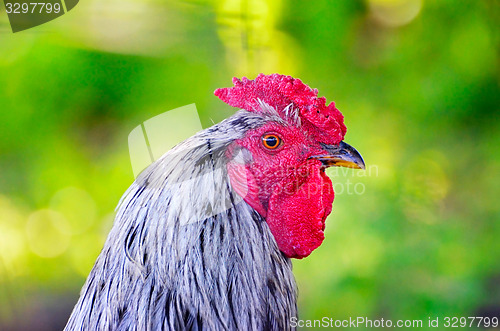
{"points": [[417, 81]]}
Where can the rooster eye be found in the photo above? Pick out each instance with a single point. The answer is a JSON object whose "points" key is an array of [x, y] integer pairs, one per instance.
{"points": [[271, 141]]}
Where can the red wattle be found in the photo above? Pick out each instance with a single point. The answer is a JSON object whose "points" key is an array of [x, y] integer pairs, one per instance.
{"points": [[297, 211]]}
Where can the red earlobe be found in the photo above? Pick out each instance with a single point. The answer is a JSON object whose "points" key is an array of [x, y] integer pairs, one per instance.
{"points": [[245, 185]]}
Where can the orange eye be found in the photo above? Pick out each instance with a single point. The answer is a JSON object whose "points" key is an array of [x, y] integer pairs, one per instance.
{"points": [[271, 141]]}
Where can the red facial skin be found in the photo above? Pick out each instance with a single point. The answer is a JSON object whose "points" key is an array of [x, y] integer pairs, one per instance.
{"points": [[291, 191]]}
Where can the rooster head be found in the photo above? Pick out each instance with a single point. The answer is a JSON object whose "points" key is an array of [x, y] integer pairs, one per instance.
{"points": [[279, 167]]}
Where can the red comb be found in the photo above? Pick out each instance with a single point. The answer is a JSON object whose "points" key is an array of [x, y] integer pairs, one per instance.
{"points": [[279, 91]]}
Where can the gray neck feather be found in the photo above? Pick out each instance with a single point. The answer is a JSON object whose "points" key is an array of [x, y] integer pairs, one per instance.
{"points": [[186, 253]]}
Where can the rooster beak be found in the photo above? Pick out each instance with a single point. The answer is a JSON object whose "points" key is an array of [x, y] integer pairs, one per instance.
{"points": [[341, 155]]}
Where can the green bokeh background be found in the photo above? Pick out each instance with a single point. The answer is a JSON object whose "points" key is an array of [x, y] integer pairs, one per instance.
{"points": [[415, 236]]}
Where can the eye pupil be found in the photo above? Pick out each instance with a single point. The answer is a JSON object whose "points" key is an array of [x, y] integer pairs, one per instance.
{"points": [[271, 141]]}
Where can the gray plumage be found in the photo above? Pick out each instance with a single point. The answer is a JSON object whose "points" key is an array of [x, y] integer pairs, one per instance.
{"points": [[186, 253]]}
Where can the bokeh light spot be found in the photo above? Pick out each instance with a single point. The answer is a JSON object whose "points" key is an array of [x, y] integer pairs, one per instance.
{"points": [[394, 13], [12, 239], [48, 233], [77, 206], [472, 49], [425, 185]]}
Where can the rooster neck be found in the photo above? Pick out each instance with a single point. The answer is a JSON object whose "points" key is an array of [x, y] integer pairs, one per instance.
{"points": [[225, 273], [187, 253]]}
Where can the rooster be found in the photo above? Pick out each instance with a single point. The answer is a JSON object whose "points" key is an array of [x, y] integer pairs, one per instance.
{"points": [[203, 238]]}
